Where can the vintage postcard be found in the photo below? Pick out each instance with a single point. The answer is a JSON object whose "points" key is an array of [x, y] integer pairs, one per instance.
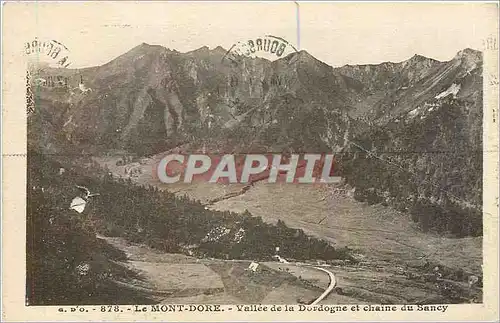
{"points": [[250, 161]]}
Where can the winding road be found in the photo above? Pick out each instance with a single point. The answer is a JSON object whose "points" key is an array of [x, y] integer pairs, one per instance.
{"points": [[329, 289]]}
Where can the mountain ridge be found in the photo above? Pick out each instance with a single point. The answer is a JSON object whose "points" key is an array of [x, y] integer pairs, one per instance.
{"points": [[370, 93], [151, 99]]}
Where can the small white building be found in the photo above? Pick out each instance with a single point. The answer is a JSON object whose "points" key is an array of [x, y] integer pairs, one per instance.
{"points": [[472, 280], [78, 204], [83, 88], [133, 169], [282, 260], [144, 161], [253, 266]]}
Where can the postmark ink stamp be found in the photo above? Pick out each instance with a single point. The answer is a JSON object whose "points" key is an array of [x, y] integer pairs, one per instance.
{"points": [[49, 52], [41, 55], [268, 45]]}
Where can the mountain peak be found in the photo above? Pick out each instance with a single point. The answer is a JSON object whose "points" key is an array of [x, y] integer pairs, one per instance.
{"points": [[303, 56], [142, 49], [146, 46], [206, 50], [418, 57], [203, 49], [469, 53], [419, 61], [469, 58], [220, 49]]}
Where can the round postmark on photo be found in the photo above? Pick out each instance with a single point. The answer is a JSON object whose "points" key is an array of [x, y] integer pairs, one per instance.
{"points": [[41, 55], [269, 47], [49, 53]]}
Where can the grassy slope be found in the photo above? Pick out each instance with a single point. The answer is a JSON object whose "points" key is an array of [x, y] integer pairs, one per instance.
{"points": [[60, 240], [386, 241]]}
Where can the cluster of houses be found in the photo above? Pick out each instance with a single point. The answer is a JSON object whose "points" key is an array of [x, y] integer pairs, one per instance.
{"points": [[132, 169], [59, 81]]}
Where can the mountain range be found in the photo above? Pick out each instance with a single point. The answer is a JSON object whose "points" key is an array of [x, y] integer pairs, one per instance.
{"points": [[406, 134]]}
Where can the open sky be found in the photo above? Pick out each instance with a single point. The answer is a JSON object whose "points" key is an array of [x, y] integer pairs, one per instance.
{"points": [[336, 33]]}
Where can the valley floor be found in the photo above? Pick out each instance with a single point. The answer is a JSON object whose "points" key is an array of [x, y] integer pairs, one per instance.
{"points": [[388, 244]]}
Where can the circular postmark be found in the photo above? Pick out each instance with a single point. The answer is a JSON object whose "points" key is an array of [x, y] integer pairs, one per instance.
{"points": [[268, 46], [43, 54], [47, 52]]}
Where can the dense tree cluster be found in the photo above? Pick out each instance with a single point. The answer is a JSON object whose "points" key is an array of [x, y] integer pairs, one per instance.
{"points": [[178, 224], [68, 264], [430, 167]]}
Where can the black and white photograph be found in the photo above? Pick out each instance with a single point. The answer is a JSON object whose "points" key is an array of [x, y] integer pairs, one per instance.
{"points": [[286, 158]]}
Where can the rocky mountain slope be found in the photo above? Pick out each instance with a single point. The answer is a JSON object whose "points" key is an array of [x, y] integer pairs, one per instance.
{"points": [[410, 129], [155, 96], [424, 147], [389, 89]]}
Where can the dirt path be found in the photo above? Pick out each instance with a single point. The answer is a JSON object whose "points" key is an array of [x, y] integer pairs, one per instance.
{"points": [[176, 278], [330, 288]]}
